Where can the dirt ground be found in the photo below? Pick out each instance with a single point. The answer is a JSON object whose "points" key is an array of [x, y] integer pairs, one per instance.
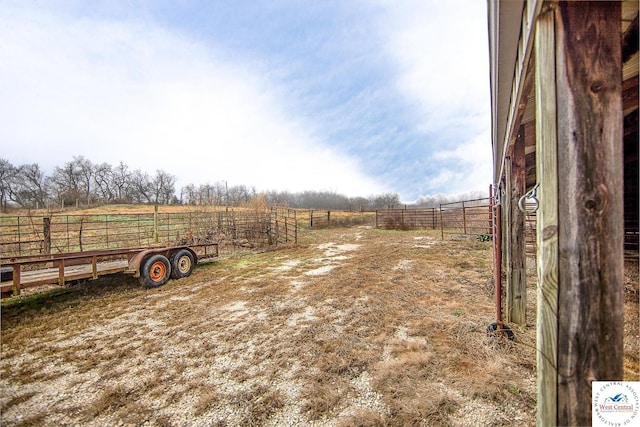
{"points": [[351, 327]]}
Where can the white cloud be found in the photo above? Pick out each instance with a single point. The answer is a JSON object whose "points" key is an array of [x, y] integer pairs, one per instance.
{"points": [[443, 64], [133, 92], [440, 50], [468, 165]]}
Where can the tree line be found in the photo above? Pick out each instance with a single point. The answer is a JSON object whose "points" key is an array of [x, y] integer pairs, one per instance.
{"points": [[80, 182]]}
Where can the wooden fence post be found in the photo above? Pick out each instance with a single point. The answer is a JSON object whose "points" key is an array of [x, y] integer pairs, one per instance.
{"points": [[46, 232], [580, 223], [328, 218], [516, 255], [547, 221]]}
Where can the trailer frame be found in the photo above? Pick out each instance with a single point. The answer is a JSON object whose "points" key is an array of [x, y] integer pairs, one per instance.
{"points": [[71, 266]]}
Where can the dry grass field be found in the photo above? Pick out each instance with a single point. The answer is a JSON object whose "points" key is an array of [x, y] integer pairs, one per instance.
{"points": [[351, 327]]}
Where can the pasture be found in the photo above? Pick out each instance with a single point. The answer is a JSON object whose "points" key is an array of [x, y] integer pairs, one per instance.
{"points": [[351, 326]]}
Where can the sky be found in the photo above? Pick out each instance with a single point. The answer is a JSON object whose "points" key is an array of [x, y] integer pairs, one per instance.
{"points": [[358, 97]]}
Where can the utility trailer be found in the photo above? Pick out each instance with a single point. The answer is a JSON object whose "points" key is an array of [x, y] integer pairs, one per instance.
{"points": [[153, 266]]}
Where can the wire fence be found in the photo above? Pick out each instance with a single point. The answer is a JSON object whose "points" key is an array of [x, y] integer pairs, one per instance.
{"points": [[33, 235], [405, 219], [469, 217], [325, 219]]}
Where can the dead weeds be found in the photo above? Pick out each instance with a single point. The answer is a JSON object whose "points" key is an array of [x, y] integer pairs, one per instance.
{"points": [[357, 327]]}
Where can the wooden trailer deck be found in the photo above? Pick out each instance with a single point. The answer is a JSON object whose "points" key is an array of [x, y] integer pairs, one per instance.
{"points": [[52, 275], [31, 271]]}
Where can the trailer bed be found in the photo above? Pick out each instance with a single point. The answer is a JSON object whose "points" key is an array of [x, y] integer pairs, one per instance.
{"points": [[47, 276], [59, 269]]}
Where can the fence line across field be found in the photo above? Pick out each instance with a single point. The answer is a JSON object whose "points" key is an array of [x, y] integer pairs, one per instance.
{"points": [[31, 235], [56, 233]]}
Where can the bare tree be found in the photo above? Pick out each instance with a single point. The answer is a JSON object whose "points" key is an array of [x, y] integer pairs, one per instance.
{"points": [[66, 182], [8, 175], [85, 171], [31, 189], [189, 195], [103, 179], [141, 187], [121, 181], [385, 201], [163, 187]]}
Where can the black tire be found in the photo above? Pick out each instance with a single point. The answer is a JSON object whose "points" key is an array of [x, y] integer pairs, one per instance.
{"points": [[155, 271], [182, 264]]}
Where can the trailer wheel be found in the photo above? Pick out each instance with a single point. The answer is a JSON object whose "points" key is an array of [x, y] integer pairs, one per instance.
{"points": [[155, 271], [182, 264]]}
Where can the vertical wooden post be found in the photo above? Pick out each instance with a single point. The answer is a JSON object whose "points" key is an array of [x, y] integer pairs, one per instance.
{"points": [[547, 220], [516, 258], [497, 260], [580, 223], [17, 269], [590, 203], [94, 267], [61, 272], [46, 232], [507, 228]]}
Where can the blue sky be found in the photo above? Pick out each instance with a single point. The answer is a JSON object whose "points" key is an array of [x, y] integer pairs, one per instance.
{"points": [[358, 97]]}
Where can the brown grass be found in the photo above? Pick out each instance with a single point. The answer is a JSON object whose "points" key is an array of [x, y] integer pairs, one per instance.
{"points": [[352, 327]]}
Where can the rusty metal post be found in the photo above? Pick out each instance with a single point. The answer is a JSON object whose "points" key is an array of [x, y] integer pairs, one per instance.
{"points": [[464, 219]]}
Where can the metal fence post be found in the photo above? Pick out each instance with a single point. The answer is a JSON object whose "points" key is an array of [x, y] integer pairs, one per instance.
{"points": [[155, 224], [464, 219]]}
